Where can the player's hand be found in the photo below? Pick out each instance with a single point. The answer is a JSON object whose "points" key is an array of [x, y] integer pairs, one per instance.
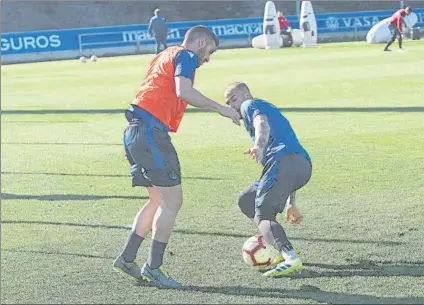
{"points": [[230, 113], [293, 215], [256, 153]]}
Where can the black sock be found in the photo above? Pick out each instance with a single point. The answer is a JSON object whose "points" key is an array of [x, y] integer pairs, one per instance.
{"points": [[157, 249], [274, 234], [133, 243], [390, 43]]}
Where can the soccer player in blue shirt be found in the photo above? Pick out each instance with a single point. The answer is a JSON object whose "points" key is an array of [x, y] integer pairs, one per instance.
{"points": [[286, 168]]}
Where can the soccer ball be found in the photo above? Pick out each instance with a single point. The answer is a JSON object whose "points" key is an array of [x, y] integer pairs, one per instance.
{"points": [[258, 254], [83, 59], [93, 58]]}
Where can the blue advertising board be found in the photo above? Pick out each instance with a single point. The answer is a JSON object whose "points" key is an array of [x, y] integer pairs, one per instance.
{"points": [[226, 29]]}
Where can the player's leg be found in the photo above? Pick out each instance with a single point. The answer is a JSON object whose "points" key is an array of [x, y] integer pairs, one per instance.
{"points": [[279, 181], [399, 35], [125, 262], [273, 232], [246, 203], [157, 45], [163, 171], [393, 31], [268, 199], [142, 224], [163, 223], [246, 200], [163, 42]]}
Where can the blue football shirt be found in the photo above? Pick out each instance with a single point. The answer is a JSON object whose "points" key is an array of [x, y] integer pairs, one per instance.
{"points": [[282, 138]]}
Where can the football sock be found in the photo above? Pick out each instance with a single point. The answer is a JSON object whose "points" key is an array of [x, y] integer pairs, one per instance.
{"points": [[288, 252], [133, 243], [274, 234], [157, 249], [390, 42]]}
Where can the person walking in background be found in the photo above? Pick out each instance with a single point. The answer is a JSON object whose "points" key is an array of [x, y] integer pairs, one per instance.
{"points": [[158, 29], [396, 22]]}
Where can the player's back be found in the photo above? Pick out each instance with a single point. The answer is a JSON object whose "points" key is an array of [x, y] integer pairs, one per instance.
{"points": [[283, 139], [397, 15]]}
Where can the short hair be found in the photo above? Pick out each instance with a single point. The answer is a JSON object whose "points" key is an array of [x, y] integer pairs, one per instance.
{"points": [[199, 31], [408, 8], [236, 86], [157, 11]]}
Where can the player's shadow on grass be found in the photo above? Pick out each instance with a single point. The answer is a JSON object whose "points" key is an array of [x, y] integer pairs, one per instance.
{"points": [[98, 175], [306, 292], [65, 224], [65, 197], [63, 143], [41, 122], [318, 239], [219, 234], [334, 109], [198, 110], [64, 111], [363, 268], [59, 253]]}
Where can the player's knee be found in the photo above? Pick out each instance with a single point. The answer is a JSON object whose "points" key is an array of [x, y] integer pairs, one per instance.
{"points": [[171, 198], [246, 203], [264, 212]]}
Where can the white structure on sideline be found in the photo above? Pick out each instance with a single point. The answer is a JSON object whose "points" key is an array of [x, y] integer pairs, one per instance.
{"points": [[308, 25], [270, 39], [271, 27], [306, 36]]}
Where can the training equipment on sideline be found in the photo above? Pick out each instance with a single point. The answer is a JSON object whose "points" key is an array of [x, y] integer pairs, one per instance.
{"points": [[270, 39], [308, 25]]}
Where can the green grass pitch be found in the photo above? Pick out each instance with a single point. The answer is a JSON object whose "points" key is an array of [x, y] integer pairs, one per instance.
{"points": [[67, 198]]}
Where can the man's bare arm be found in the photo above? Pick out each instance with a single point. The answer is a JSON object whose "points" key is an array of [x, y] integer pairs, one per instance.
{"points": [[185, 91], [262, 131]]}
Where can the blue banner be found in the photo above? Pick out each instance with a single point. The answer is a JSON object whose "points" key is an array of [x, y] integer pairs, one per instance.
{"points": [[225, 29]]}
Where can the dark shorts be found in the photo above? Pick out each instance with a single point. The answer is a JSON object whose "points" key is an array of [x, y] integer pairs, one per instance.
{"points": [[393, 30], [152, 157], [280, 177]]}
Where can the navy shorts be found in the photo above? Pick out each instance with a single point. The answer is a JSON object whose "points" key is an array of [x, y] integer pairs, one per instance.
{"points": [[281, 177], [393, 30], [149, 150]]}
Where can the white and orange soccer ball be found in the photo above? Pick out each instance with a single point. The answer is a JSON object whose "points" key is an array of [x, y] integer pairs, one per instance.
{"points": [[257, 253]]}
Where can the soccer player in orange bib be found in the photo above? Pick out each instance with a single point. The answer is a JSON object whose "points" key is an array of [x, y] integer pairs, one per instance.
{"points": [[158, 109]]}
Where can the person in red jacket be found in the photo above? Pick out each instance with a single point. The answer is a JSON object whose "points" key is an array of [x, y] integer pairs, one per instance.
{"points": [[395, 26], [285, 26]]}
